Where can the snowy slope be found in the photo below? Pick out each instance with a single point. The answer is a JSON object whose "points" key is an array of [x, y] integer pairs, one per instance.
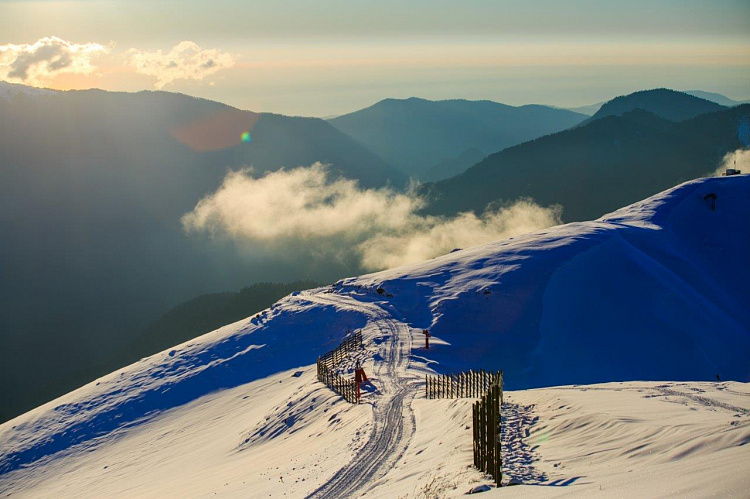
{"points": [[656, 291]]}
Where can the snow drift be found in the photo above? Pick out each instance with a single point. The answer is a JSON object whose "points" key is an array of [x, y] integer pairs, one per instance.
{"points": [[654, 291]]}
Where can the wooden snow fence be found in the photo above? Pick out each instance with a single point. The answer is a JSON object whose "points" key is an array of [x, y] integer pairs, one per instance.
{"points": [[328, 362], [486, 413], [468, 384], [488, 387]]}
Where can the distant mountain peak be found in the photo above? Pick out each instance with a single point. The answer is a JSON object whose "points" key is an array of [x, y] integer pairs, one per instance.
{"points": [[417, 134], [9, 91], [663, 102], [716, 97]]}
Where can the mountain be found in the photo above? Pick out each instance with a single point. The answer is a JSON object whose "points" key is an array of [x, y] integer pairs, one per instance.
{"points": [[184, 322], [205, 313], [9, 91], [93, 185], [417, 134], [454, 166], [592, 169], [652, 291], [665, 103], [588, 110], [722, 100], [154, 124], [714, 97]]}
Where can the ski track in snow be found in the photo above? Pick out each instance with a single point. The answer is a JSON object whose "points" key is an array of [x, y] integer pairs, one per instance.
{"points": [[394, 421], [670, 390], [666, 391]]}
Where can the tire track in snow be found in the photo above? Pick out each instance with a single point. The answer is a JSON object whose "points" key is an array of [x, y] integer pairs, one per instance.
{"points": [[393, 416]]}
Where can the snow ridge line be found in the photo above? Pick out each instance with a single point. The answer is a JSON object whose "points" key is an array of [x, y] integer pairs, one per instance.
{"points": [[394, 421]]}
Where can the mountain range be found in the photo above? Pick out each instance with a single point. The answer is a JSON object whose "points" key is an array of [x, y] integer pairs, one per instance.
{"points": [[597, 167], [93, 185], [418, 136]]}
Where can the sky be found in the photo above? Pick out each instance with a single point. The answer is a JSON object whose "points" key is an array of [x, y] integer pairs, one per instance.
{"points": [[328, 57]]}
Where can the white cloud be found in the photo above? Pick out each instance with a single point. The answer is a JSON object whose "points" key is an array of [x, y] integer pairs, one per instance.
{"points": [[186, 61], [739, 160], [305, 211], [34, 63]]}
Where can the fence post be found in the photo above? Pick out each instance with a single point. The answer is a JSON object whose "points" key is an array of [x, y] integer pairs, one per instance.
{"points": [[496, 423], [484, 433], [475, 413], [492, 432]]}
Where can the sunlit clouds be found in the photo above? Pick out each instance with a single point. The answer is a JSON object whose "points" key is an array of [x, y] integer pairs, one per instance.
{"points": [[36, 63], [185, 61], [325, 218], [40, 62]]}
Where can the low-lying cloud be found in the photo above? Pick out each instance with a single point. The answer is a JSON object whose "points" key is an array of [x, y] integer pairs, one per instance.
{"points": [[37, 62], [186, 61], [739, 160], [308, 213]]}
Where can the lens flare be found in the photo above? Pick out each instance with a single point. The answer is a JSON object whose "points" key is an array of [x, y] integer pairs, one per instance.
{"points": [[543, 437], [245, 137]]}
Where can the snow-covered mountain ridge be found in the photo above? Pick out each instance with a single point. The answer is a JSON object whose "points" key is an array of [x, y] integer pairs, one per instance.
{"points": [[655, 291]]}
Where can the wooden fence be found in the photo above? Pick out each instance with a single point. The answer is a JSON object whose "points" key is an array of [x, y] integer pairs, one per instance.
{"points": [[486, 413], [469, 384], [328, 362], [334, 357]]}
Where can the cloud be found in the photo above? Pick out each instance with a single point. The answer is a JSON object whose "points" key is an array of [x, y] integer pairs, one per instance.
{"points": [[186, 61], [739, 160], [306, 212], [37, 62]]}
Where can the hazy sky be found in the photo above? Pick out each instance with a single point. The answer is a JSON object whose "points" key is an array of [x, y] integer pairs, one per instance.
{"points": [[327, 57]]}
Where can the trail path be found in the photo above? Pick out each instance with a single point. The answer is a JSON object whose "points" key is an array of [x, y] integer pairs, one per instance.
{"points": [[393, 415]]}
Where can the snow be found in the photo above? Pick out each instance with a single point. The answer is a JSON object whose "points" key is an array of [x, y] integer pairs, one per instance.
{"points": [[655, 291]]}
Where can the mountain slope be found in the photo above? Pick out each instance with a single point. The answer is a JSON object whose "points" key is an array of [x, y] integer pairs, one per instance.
{"points": [[714, 97], [665, 103], [588, 110], [184, 322], [454, 166], [596, 168], [92, 188], [654, 291], [417, 134]]}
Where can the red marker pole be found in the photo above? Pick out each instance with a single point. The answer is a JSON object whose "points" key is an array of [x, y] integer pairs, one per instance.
{"points": [[426, 339], [359, 377]]}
